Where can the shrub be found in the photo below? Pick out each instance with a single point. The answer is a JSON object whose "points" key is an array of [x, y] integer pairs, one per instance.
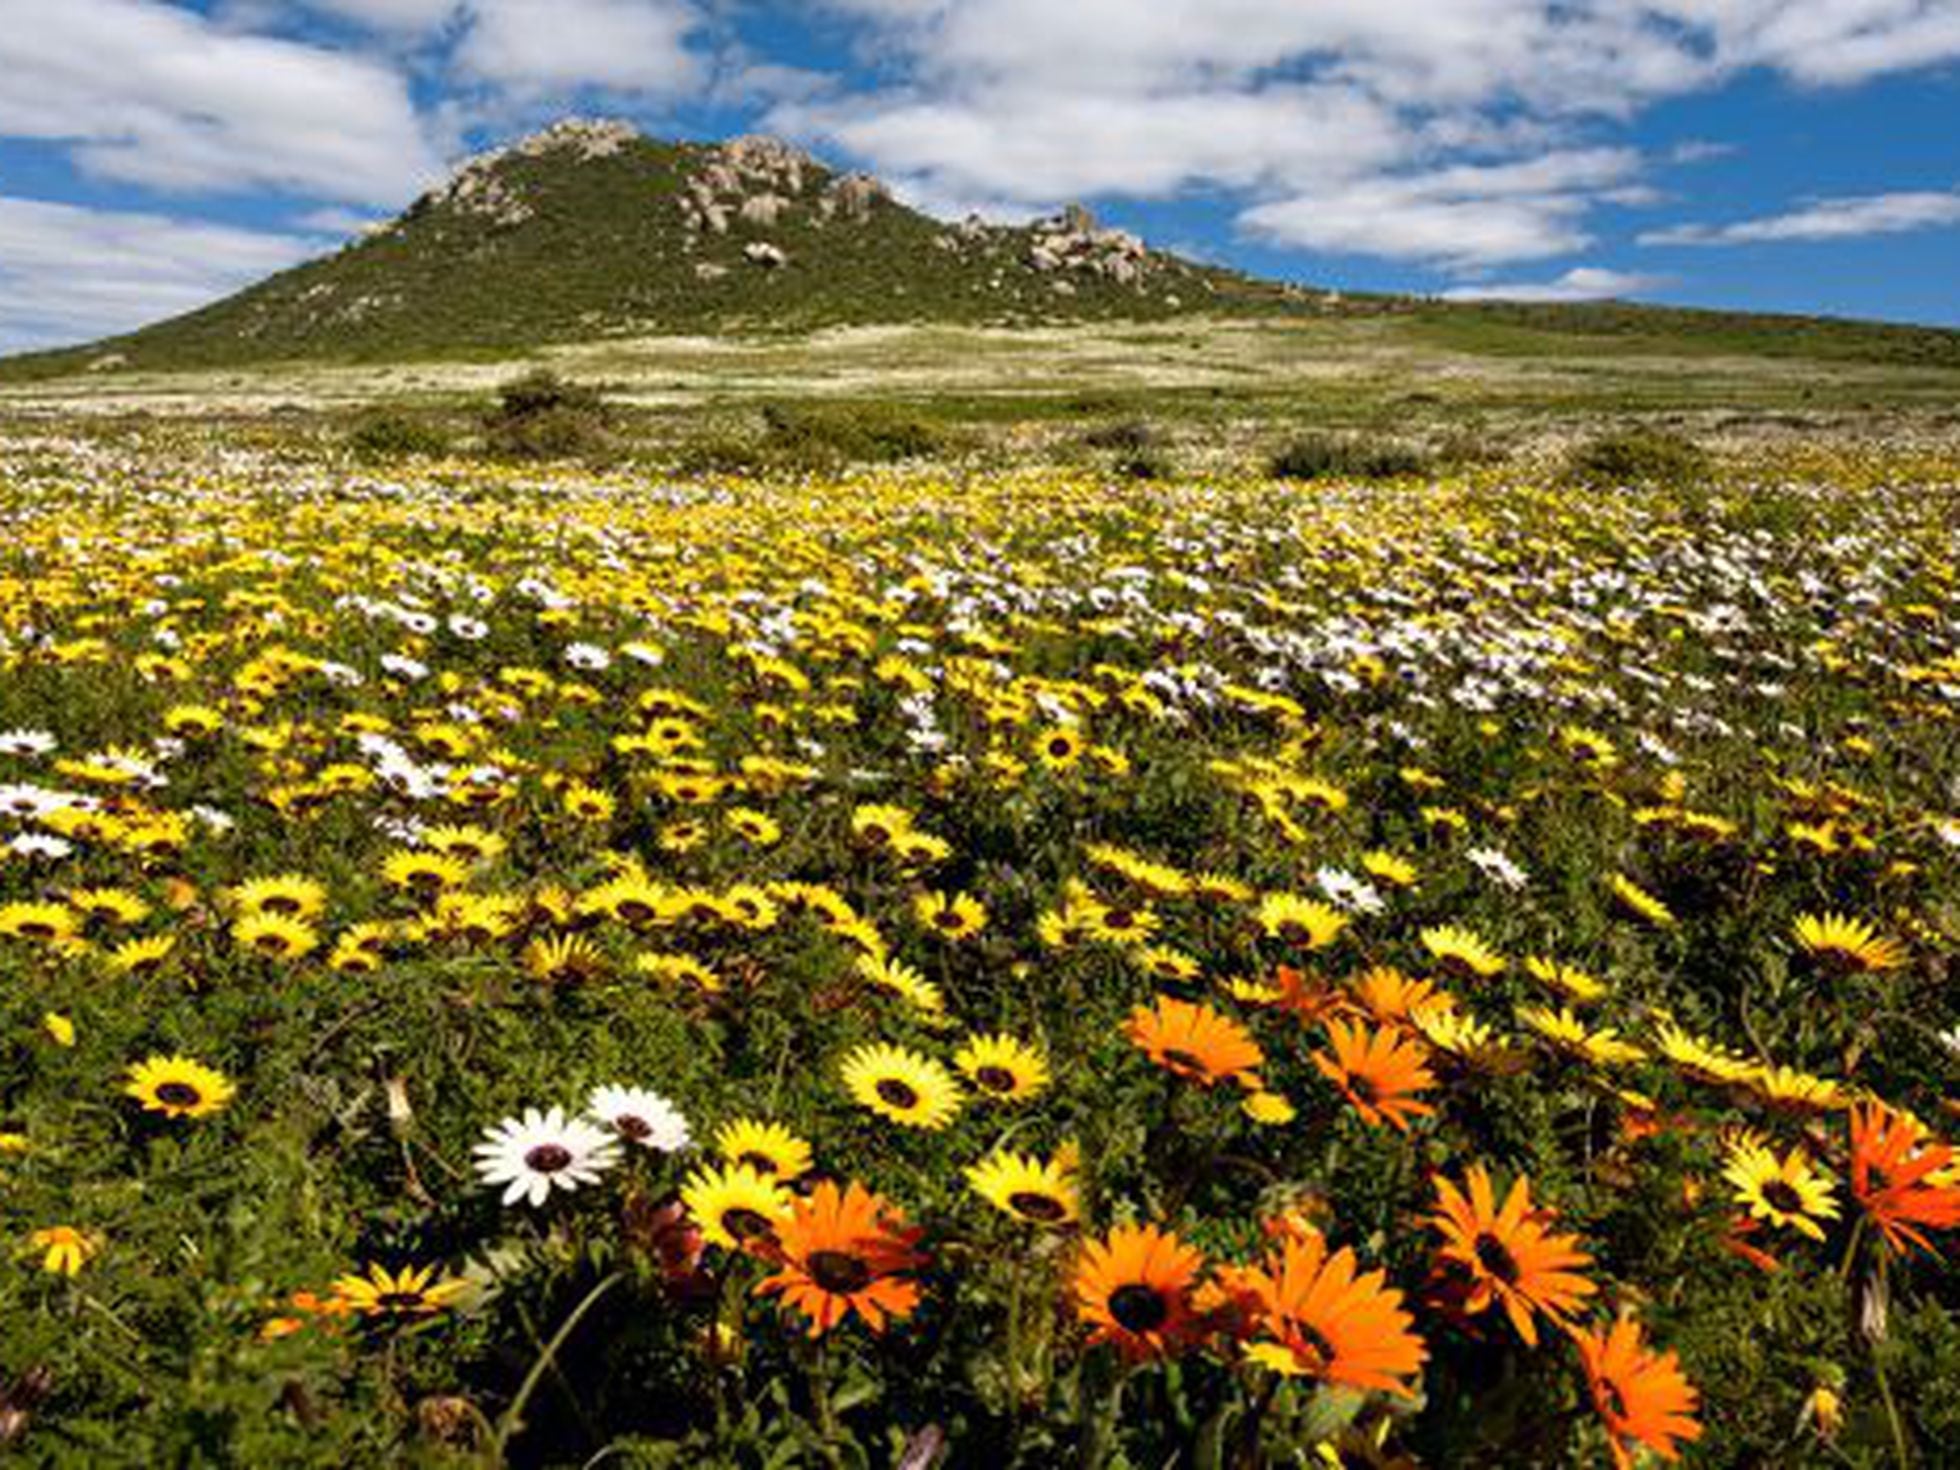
{"points": [[385, 434], [1318, 456], [541, 416], [1638, 457]]}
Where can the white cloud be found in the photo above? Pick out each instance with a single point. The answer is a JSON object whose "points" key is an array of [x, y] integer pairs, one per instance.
{"points": [[68, 274], [153, 94], [1462, 218], [556, 47], [1827, 219], [1338, 124], [1582, 283]]}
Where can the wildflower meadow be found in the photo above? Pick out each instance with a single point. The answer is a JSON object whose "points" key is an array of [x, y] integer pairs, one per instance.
{"points": [[989, 969]]}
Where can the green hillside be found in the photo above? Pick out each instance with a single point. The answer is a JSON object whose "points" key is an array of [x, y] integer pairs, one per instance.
{"points": [[590, 232]]}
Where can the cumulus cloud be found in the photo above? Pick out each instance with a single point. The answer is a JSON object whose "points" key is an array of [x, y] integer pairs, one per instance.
{"points": [[1826, 219], [1582, 283], [1462, 218], [152, 94], [68, 274], [1339, 124], [558, 47]]}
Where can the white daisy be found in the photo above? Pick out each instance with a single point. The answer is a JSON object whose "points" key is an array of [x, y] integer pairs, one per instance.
{"points": [[26, 742], [640, 1116], [539, 1152]]}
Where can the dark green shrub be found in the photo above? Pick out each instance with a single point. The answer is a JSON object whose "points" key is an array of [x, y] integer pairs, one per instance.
{"points": [[386, 434], [1130, 436], [1638, 457], [819, 436], [541, 416], [1319, 456]]}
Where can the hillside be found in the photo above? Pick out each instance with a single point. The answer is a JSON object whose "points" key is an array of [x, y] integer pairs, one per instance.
{"points": [[590, 230]]}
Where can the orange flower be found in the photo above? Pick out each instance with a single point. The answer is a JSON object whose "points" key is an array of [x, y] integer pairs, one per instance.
{"points": [[1511, 1255], [842, 1251], [1133, 1288], [1642, 1395], [1318, 1319], [1195, 1042], [1377, 1071], [1902, 1177], [1390, 996]]}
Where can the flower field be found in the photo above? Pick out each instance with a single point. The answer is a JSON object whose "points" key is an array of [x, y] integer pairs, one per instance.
{"points": [[1012, 969]]}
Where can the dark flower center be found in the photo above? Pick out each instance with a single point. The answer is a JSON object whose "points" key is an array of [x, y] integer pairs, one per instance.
{"points": [[1183, 1061], [1119, 919], [279, 903], [1310, 1343], [760, 1162], [1061, 745], [399, 1301], [1782, 1197], [949, 919], [838, 1272], [1495, 1257], [630, 1126], [897, 1093], [1611, 1403], [1364, 1088], [548, 1158], [179, 1095], [745, 1224], [1042, 1207], [1138, 1308], [634, 911], [995, 1079]]}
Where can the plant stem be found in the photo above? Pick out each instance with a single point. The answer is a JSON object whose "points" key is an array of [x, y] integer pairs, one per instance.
{"points": [[1898, 1427], [819, 1372], [510, 1422]]}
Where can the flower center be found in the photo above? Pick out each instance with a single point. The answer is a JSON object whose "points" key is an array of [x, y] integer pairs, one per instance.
{"points": [[179, 1095], [897, 1094], [633, 1127], [1495, 1257], [1782, 1197], [760, 1162], [1364, 1089], [1183, 1061], [838, 1272], [548, 1158], [745, 1224], [399, 1301], [1138, 1308], [995, 1079], [1310, 1346], [1041, 1207]]}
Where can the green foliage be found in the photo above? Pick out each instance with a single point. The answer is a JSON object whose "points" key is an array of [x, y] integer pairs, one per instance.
{"points": [[540, 416], [1322, 456], [1637, 457], [390, 434]]}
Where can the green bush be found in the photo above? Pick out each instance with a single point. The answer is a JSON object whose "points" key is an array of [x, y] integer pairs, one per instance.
{"points": [[541, 416], [386, 434], [1319, 456], [1638, 457]]}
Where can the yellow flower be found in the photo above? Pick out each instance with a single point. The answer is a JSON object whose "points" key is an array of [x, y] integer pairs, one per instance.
{"points": [[61, 1030], [950, 915], [1462, 952], [412, 1291], [1300, 921], [178, 1087], [1846, 944], [1790, 1192], [1026, 1187], [1003, 1066], [67, 1249], [901, 1085]]}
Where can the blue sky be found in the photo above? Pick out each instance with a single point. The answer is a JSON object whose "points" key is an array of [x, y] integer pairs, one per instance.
{"points": [[1798, 155]]}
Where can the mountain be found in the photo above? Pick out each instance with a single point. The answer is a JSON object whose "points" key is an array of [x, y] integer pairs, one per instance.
{"points": [[591, 230]]}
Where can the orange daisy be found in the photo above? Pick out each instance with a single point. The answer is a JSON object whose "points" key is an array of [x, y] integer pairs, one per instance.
{"points": [[1377, 1071], [843, 1251], [1902, 1177], [1642, 1395], [1511, 1254], [1195, 1042], [1133, 1287], [1317, 1318]]}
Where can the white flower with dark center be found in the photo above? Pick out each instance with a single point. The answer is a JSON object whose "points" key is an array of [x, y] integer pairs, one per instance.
{"points": [[1495, 865], [587, 656], [26, 742], [40, 844], [539, 1152], [640, 1116], [467, 628]]}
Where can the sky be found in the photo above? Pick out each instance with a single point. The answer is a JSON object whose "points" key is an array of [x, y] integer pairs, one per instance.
{"points": [[1793, 155]]}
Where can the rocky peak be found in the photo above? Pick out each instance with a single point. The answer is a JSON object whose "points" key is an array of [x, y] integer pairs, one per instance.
{"points": [[479, 188]]}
